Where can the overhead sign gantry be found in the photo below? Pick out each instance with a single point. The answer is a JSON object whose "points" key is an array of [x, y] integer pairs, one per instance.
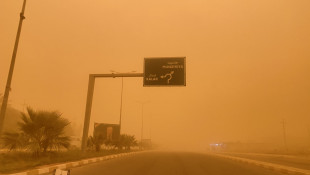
{"points": [[162, 71]]}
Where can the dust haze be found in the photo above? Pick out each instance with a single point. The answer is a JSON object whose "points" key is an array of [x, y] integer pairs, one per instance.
{"points": [[247, 68]]}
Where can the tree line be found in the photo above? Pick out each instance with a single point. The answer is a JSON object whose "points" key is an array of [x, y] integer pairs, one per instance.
{"points": [[44, 131]]}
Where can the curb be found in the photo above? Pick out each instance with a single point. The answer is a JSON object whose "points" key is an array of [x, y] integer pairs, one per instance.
{"points": [[270, 166], [51, 168]]}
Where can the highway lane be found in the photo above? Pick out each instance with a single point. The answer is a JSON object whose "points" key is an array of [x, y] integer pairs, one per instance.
{"points": [[291, 161], [171, 163]]}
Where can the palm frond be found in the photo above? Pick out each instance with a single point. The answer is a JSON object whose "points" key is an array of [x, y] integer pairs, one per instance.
{"points": [[14, 140]]}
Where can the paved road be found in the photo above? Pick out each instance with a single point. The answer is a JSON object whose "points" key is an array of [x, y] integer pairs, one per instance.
{"points": [[291, 161], [171, 163]]}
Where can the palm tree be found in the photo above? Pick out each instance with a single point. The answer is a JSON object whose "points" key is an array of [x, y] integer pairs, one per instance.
{"points": [[127, 141], [40, 131], [45, 129], [95, 142]]}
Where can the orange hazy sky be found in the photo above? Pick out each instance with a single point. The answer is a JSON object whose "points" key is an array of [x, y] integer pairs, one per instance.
{"points": [[248, 65]]}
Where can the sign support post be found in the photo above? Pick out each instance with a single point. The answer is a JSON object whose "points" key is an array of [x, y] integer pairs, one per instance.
{"points": [[90, 92]]}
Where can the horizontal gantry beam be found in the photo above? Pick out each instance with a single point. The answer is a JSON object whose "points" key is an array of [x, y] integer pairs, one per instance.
{"points": [[114, 75]]}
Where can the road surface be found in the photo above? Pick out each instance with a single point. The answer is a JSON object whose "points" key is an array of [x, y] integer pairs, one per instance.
{"points": [[171, 163], [291, 161]]}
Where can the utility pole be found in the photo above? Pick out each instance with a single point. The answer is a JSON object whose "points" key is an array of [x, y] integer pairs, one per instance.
{"points": [[284, 133], [9, 80]]}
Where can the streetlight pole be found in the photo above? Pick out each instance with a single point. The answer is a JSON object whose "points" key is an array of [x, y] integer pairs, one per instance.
{"points": [[284, 134], [9, 80], [142, 109], [141, 125], [121, 107]]}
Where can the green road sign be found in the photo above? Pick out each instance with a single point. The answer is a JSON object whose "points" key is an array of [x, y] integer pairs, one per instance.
{"points": [[164, 71]]}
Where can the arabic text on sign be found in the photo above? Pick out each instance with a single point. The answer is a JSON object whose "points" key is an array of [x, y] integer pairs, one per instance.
{"points": [[152, 79], [172, 66]]}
